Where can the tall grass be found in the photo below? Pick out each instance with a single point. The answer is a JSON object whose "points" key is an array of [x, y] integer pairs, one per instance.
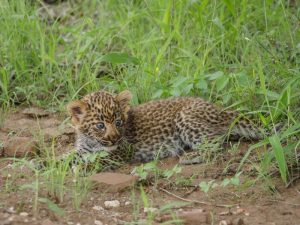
{"points": [[240, 54]]}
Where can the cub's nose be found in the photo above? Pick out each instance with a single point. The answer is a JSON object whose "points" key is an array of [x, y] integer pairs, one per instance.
{"points": [[115, 139], [112, 135]]}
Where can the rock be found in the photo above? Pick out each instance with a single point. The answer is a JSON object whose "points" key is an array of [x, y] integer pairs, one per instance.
{"points": [[111, 204], [98, 222], [114, 181], [11, 210], [24, 214], [98, 208], [150, 210], [127, 203], [223, 222], [238, 211], [48, 222], [193, 217], [19, 147]]}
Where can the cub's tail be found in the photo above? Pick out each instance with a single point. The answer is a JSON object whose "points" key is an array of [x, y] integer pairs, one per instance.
{"points": [[244, 128]]}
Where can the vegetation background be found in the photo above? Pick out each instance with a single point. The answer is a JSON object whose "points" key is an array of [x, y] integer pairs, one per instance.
{"points": [[240, 54]]}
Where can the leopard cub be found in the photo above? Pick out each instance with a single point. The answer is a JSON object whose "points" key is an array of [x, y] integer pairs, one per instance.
{"points": [[161, 128]]}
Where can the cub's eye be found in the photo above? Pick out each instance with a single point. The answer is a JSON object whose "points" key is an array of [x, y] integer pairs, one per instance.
{"points": [[100, 126], [118, 123]]}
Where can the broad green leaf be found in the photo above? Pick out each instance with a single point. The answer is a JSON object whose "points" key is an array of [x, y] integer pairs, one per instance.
{"points": [[221, 82], [175, 92], [201, 84], [204, 186], [158, 93], [214, 76], [225, 182], [279, 155], [178, 81], [120, 58], [52, 206]]}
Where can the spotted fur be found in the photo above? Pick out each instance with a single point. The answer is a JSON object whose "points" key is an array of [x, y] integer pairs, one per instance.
{"points": [[162, 128]]}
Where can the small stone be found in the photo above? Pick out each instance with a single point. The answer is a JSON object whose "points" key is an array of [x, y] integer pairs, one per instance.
{"points": [[239, 211], [111, 204], [19, 147], [11, 210], [127, 203], [223, 222], [150, 210], [114, 181], [98, 208], [98, 222], [70, 223], [23, 214]]}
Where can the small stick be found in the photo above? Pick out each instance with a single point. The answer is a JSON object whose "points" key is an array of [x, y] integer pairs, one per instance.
{"points": [[195, 201], [292, 181], [191, 191]]}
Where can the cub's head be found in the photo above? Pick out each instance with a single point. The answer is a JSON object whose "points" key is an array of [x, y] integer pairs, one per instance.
{"points": [[99, 120]]}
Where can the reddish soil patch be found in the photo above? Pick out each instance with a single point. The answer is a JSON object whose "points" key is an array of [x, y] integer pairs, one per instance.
{"points": [[27, 131], [252, 202]]}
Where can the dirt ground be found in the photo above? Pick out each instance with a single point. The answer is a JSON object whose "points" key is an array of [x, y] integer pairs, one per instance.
{"points": [[26, 132]]}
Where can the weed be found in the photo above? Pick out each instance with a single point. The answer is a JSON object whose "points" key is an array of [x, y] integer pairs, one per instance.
{"points": [[207, 186]]}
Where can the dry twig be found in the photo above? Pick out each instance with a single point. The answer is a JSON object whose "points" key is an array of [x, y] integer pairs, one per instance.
{"points": [[195, 201]]}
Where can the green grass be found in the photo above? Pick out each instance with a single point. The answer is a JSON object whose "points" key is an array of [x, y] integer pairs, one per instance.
{"points": [[239, 54]]}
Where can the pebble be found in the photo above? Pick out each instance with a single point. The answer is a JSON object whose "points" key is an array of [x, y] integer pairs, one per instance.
{"points": [[113, 182], [23, 214], [112, 204], [11, 210], [223, 222], [150, 210], [98, 208], [127, 203], [98, 222]]}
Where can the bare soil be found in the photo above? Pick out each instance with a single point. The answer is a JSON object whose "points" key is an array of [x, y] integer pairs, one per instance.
{"points": [[254, 201]]}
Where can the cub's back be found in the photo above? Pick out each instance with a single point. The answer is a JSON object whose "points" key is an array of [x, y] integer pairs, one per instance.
{"points": [[156, 118]]}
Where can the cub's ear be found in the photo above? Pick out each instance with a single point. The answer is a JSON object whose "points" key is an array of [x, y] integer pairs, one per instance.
{"points": [[123, 98], [77, 110]]}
